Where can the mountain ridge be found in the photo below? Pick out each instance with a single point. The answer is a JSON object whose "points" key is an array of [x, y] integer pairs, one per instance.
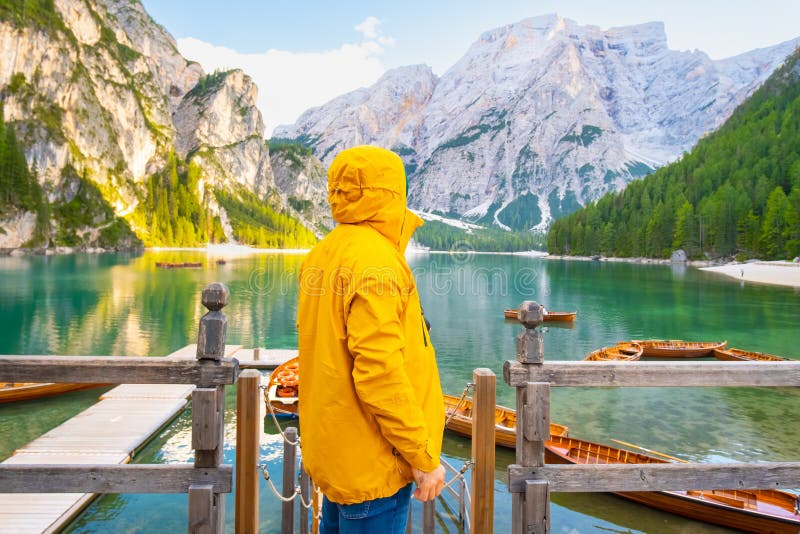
{"points": [[540, 116]]}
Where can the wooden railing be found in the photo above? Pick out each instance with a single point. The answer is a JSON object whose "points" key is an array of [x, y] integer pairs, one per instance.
{"points": [[531, 481], [207, 480]]}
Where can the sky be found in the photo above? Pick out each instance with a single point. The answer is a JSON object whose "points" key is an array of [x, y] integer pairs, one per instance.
{"points": [[303, 54]]}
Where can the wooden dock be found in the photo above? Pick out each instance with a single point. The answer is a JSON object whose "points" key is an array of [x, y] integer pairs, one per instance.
{"points": [[109, 432]]}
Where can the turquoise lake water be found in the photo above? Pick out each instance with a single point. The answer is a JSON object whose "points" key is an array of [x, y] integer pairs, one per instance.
{"points": [[123, 305]]}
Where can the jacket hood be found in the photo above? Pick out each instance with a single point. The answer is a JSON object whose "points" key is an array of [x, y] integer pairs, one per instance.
{"points": [[367, 185]]}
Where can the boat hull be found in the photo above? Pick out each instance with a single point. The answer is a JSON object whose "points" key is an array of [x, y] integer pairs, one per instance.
{"points": [[281, 395], [559, 450], [623, 351], [738, 355], [675, 348], [553, 317], [505, 433], [30, 391]]}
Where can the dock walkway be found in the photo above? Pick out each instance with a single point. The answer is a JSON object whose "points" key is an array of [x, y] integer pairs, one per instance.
{"points": [[109, 432]]}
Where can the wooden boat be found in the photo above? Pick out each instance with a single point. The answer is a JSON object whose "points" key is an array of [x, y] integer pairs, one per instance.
{"points": [[458, 417], [551, 316], [626, 351], [739, 355], [282, 389], [21, 391], [186, 264], [747, 510], [676, 348]]}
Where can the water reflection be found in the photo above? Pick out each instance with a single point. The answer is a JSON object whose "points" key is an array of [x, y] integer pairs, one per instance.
{"points": [[123, 304]]}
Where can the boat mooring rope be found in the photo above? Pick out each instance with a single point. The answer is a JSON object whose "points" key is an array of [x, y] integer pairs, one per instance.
{"points": [[275, 420], [459, 474], [452, 414], [296, 494]]}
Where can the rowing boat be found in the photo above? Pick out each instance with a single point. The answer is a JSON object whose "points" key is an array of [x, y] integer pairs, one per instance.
{"points": [[747, 510], [625, 351], [550, 316], [458, 419], [676, 348], [739, 355], [282, 389], [21, 391]]}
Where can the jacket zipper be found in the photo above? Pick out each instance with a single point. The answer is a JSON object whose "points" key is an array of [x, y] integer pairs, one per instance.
{"points": [[424, 339]]}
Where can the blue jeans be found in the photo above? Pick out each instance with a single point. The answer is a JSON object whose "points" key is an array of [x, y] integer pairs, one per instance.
{"points": [[387, 515]]}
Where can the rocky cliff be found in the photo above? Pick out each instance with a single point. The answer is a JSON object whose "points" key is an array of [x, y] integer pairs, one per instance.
{"points": [[540, 117], [99, 96]]}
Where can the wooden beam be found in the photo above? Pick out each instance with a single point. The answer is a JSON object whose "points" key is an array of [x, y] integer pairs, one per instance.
{"points": [[116, 370], [127, 478], [654, 374], [657, 477]]}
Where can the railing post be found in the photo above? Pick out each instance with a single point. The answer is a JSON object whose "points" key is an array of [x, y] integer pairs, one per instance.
{"points": [[306, 492], [248, 430], [483, 454], [530, 510], [428, 517], [289, 476], [208, 413]]}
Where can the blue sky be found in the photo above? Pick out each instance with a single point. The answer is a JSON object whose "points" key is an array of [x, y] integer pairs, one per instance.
{"points": [[302, 54]]}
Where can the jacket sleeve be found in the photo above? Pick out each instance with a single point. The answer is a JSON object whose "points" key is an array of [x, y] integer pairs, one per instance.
{"points": [[376, 340]]}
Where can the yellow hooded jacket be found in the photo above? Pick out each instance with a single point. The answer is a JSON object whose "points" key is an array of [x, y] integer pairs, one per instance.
{"points": [[370, 397]]}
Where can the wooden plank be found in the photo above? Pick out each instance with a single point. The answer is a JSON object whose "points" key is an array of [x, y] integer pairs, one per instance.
{"points": [[537, 507], [248, 432], [658, 477], [115, 370], [654, 374], [201, 510], [66, 457], [148, 391], [109, 426], [483, 451], [204, 419], [105, 478]]}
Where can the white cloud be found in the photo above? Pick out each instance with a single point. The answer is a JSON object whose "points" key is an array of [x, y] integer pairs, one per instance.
{"points": [[291, 82], [369, 28]]}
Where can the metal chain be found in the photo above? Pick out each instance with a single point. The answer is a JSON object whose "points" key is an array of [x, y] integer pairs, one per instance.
{"points": [[275, 420], [452, 414]]}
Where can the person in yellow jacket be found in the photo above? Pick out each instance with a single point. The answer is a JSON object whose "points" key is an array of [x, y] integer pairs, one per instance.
{"points": [[371, 405]]}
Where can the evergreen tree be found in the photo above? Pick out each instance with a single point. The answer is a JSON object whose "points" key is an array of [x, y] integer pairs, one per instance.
{"points": [[773, 229], [729, 181]]}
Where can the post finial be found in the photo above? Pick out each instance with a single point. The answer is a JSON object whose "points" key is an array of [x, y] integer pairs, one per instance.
{"points": [[530, 314], [214, 324], [216, 296]]}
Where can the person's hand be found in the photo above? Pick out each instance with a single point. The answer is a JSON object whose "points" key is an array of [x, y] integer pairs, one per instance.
{"points": [[429, 485]]}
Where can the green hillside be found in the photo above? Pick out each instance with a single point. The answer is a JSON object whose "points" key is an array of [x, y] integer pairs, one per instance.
{"points": [[736, 193]]}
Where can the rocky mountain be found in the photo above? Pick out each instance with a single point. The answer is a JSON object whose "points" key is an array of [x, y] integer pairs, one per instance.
{"points": [[540, 116], [104, 106]]}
